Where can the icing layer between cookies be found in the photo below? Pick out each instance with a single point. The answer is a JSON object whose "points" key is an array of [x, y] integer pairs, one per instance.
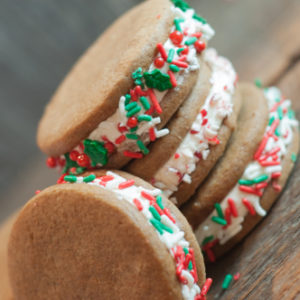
{"points": [[133, 124], [227, 218], [204, 130], [149, 203]]}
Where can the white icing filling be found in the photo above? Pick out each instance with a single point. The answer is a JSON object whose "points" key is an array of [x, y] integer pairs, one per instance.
{"points": [[109, 127], [253, 170], [218, 106], [171, 240]]}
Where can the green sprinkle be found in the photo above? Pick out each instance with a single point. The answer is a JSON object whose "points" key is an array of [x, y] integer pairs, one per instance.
{"points": [[190, 266], [154, 213], [246, 182], [144, 118], [159, 202], [133, 111], [207, 240], [170, 55], [131, 106], [134, 129], [227, 281], [70, 178], [96, 152], [180, 50], [185, 250], [277, 100], [181, 4], [293, 157], [69, 163], [280, 112], [199, 18], [219, 220], [142, 147], [277, 132], [174, 68], [158, 80], [89, 178], [132, 136], [145, 103], [157, 225], [137, 73], [291, 114], [219, 210], [260, 178], [166, 228], [127, 99], [177, 22], [258, 83], [191, 41], [271, 121]]}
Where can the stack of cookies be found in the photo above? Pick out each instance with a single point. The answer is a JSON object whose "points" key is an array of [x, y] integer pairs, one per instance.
{"points": [[149, 97]]}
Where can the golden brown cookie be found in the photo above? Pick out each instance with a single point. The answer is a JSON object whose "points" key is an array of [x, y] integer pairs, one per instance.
{"points": [[259, 186], [112, 236], [251, 125], [125, 87]]}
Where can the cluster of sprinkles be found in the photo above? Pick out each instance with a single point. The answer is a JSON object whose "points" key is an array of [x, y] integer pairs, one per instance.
{"points": [[134, 123], [150, 204], [204, 130], [227, 218]]}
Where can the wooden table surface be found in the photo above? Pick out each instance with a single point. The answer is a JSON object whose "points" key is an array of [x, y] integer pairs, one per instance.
{"points": [[40, 40]]}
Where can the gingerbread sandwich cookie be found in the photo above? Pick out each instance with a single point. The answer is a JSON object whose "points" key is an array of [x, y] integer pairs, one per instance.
{"points": [[106, 234], [259, 186], [251, 125], [124, 89], [179, 170]]}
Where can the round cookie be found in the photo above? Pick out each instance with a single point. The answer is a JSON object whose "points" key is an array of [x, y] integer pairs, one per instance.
{"points": [[259, 186], [103, 236], [179, 125], [116, 98], [251, 125]]}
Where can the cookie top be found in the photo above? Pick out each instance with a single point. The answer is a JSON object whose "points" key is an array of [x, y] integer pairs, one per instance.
{"points": [[264, 171], [110, 100], [252, 121], [104, 231]]}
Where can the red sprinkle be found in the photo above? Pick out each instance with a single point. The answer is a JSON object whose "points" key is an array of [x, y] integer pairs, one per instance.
{"points": [[138, 90], [106, 178], [273, 127], [37, 192], [203, 112], [192, 131], [61, 178], [182, 58], [233, 208], [269, 163], [159, 62], [147, 196], [228, 216], [168, 214], [110, 147], [261, 147], [162, 51], [61, 161], [83, 160], [237, 276], [176, 37], [132, 154], [204, 122], [138, 204], [198, 154], [176, 155], [132, 122], [73, 155], [276, 175], [261, 185], [126, 184], [276, 187], [150, 111], [210, 255], [195, 275], [185, 51], [120, 139], [249, 206], [133, 95], [152, 134], [159, 210], [197, 34], [276, 105], [200, 46], [172, 78], [51, 162], [250, 190], [122, 128], [206, 286], [154, 101], [180, 64]]}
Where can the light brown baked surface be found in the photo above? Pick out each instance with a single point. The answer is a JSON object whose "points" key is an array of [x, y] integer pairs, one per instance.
{"points": [[267, 200], [180, 124], [91, 91], [203, 167], [251, 125], [77, 241]]}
